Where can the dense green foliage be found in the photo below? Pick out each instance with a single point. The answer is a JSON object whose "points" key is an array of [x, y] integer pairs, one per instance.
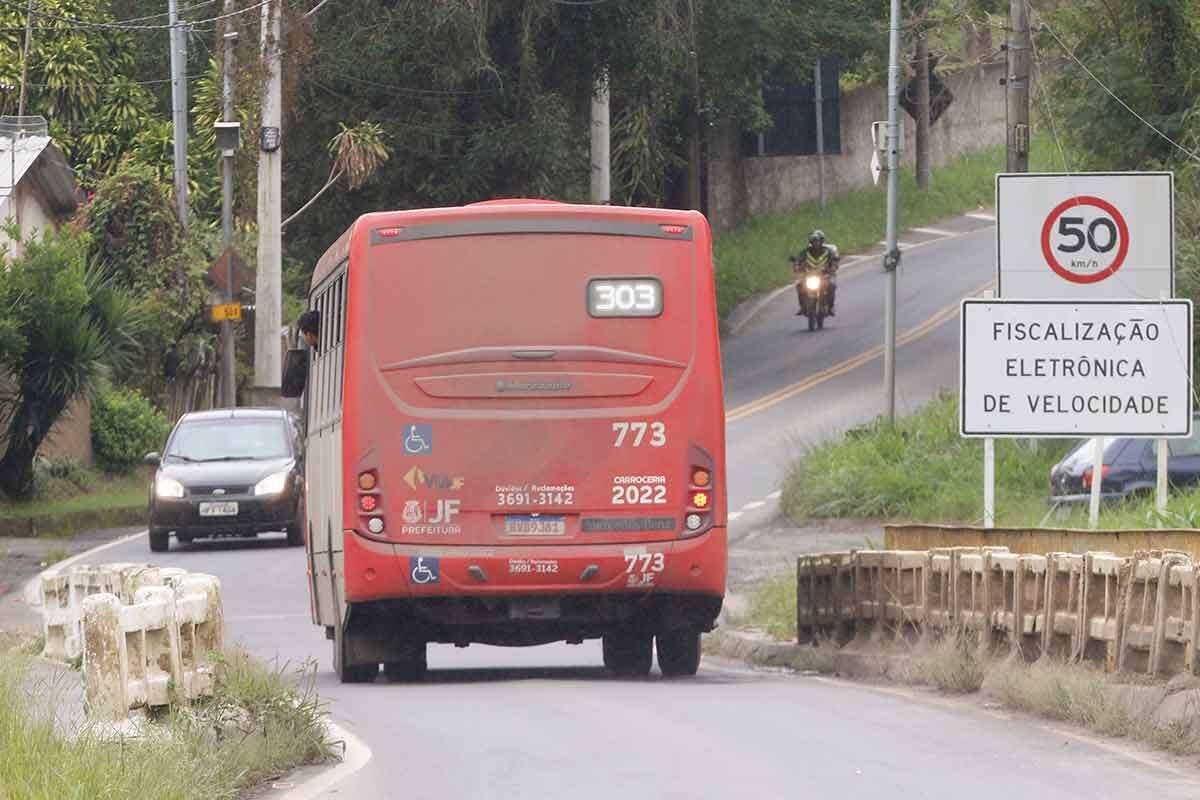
{"points": [[69, 327], [125, 426]]}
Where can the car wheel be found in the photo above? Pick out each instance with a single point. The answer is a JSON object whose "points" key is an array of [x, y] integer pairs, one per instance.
{"points": [[629, 654], [678, 652], [160, 541], [295, 535], [349, 673]]}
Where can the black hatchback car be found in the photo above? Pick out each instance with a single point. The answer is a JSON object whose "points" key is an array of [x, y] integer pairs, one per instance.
{"points": [[231, 472], [1130, 468]]}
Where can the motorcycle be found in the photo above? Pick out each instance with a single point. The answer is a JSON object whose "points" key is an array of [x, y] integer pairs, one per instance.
{"points": [[813, 288]]}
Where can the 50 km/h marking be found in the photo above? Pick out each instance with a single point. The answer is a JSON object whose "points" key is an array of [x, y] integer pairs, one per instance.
{"points": [[1085, 239]]}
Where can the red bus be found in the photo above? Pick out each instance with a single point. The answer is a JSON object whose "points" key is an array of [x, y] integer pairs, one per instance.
{"points": [[515, 435]]}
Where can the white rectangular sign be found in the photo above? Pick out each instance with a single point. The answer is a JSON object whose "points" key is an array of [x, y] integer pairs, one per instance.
{"points": [[1085, 236], [1083, 368]]}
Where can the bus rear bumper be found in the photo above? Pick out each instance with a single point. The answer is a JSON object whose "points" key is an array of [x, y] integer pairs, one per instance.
{"points": [[519, 595]]}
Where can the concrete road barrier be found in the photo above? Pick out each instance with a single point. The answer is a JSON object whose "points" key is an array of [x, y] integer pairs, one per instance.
{"points": [[146, 634], [1135, 614]]}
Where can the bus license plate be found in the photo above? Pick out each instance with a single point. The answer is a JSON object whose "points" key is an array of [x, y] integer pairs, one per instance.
{"points": [[534, 525], [218, 509]]}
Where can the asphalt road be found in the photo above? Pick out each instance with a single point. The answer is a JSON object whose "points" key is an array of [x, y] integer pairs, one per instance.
{"points": [[548, 722]]}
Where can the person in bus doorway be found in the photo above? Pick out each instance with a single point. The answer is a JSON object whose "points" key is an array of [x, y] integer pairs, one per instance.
{"points": [[310, 327], [818, 256]]}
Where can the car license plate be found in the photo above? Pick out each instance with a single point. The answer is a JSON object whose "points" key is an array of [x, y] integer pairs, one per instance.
{"points": [[218, 509], [534, 608], [534, 525]]}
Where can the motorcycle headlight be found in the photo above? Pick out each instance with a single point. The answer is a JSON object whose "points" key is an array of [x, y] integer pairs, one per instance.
{"points": [[812, 282], [168, 487], [272, 484]]}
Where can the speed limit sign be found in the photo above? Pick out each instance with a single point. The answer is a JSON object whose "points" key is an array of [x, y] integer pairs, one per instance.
{"points": [[1085, 236]]}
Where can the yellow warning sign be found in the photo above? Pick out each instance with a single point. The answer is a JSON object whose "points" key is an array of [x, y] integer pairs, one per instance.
{"points": [[230, 311]]}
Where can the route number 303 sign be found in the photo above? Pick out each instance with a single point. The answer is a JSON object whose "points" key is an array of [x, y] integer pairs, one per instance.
{"points": [[1102, 236]]}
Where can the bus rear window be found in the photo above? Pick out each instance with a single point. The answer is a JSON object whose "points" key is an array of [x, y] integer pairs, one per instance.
{"points": [[437, 296]]}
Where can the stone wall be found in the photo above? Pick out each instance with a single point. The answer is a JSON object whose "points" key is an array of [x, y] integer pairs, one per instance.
{"points": [[740, 187]]}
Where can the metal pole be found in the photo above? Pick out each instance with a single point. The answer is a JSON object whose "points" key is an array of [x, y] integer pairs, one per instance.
{"points": [[1160, 495], [25, 58], [989, 483], [601, 164], [818, 102], [179, 108], [228, 344], [1016, 85], [891, 259], [1097, 480], [268, 361]]}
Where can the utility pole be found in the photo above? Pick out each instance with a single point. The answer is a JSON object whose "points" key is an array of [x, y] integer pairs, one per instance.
{"points": [[923, 157], [228, 344], [268, 363], [1016, 85], [891, 259], [694, 150], [25, 58], [819, 102], [601, 161], [179, 114]]}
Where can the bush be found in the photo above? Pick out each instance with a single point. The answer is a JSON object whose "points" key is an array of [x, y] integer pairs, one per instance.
{"points": [[125, 426]]}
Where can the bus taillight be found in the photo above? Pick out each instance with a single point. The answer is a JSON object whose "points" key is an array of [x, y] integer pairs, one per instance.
{"points": [[368, 503], [701, 477], [367, 481], [700, 500]]}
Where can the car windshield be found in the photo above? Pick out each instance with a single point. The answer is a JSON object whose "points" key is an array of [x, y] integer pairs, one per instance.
{"points": [[1085, 451], [229, 440]]}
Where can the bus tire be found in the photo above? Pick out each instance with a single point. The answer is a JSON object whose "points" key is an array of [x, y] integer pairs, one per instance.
{"points": [[408, 670], [628, 654], [678, 652], [160, 541], [349, 673]]}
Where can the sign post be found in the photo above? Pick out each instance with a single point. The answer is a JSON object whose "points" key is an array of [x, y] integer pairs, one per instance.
{"points": [[1097, 480]]}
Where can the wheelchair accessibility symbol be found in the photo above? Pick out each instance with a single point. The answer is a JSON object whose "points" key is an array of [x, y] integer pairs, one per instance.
{"points": [[423, 570], [418, 439]]}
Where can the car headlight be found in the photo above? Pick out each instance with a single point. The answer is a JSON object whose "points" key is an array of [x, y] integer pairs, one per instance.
{"points": [[272, 484], [812, 283], [168, 487]]}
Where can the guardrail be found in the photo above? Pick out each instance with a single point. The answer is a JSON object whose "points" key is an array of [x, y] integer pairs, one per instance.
{"points": [[1135, 614], [145, 634]]}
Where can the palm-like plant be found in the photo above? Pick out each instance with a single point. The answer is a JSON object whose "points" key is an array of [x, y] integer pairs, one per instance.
{"points": [[70, 327], [358, 152]]}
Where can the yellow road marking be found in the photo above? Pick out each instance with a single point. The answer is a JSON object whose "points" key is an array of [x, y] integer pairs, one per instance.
{"points": [[913, 334]]}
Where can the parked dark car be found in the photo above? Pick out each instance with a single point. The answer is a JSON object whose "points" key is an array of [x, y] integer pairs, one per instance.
{"points": [[1130, 468], [232, 472]]}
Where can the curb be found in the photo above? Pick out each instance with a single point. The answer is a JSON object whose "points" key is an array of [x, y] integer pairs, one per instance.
{"points": [[760, 650], [71, 522], [355, 756]]}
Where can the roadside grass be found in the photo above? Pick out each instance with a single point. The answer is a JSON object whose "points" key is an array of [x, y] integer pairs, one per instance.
{"points": [[772, 606], [125, 491], [753, 257], [259, 725], [919, 469]]}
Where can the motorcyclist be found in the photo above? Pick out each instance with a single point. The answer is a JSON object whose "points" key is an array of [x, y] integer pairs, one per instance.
{"points": [[818, 256]]}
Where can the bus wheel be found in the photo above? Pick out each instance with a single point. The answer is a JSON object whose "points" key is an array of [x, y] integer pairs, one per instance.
{"points": [[678, 652], [349, 673], [628, 654], [408, 670]]}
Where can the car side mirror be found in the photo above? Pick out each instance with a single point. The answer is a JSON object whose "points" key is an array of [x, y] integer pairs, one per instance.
{"points": [[295, 373], [154, 459]]}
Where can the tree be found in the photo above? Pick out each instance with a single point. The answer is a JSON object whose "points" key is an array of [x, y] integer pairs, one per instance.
{"points": [[69, 328]]}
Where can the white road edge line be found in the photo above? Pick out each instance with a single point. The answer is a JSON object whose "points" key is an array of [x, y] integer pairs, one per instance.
{"points": [[754, 505], [33, 589], [357, 754], [984, 217], [934, 231], [732, 515], [775, 495]]}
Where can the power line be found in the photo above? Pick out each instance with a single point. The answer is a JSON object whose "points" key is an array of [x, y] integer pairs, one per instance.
{"points": [[125, 24], [1046, 27]]}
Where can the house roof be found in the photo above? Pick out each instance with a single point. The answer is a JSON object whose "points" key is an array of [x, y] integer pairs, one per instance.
{"points": [[38, 159]]}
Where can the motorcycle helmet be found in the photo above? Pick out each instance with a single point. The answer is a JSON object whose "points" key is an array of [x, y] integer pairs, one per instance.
{"points": [[816, 237]]}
